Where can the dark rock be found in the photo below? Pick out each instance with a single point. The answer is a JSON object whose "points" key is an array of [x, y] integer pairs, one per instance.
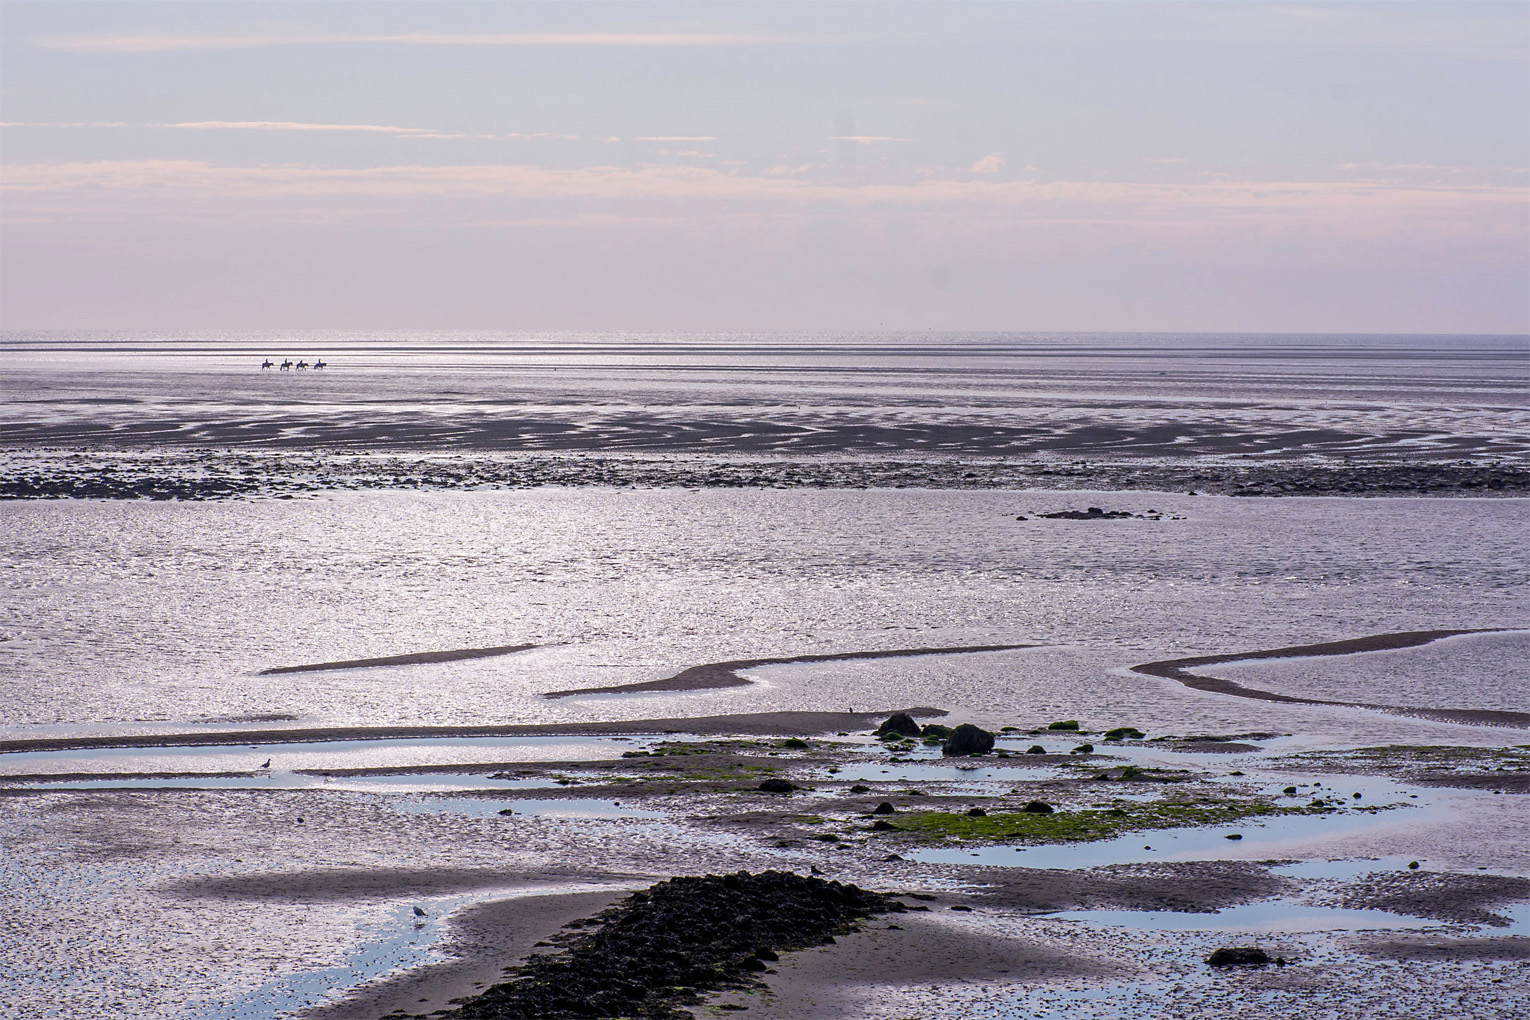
{"points": [[901, 723], [884, 808], [1065, 724], [1124, 733], [662, 949], [937, 730], [860, 788], [893, 857], [507, 811], [1239, 956], [1233, 835], [1039, 807], [1036, 749], [964, 909], [967, 740], [976, 812], [882, 825], [777, 786], [1083, 749]]}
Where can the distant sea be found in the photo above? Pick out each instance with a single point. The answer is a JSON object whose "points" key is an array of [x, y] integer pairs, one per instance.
{"points": [[992, 394]]}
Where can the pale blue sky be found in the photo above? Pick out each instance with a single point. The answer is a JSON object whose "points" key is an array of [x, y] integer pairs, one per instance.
{"points": [[1140, 166]]}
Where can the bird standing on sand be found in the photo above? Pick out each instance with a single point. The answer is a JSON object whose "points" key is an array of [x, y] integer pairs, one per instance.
{"points": [[267, 764], [419, 912]]}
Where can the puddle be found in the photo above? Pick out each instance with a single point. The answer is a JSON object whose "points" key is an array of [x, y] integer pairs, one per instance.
{"points": [[1282, 916], [573, 808], [918, 773], [297, 781], [338, 754], [401, 942], [1347, 870], [1261, 841]]}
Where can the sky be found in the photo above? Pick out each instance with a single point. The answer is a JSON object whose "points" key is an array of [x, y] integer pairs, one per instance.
{"points": [[1142, 166]]}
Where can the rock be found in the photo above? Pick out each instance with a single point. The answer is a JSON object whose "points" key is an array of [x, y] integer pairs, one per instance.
{"points": [[882, 825], [976, 812], [1413, 865], [900, 723], [1289, 791], [1239, 956], [961, 907], [1039, 807], [1036, 749], [966, 740], [507, 811], [1083, 749], [893, 857], [884, 808], [1065, 724], [1233, 835], [860, 788], [777, 786], [1124, 733], [937, 730]]}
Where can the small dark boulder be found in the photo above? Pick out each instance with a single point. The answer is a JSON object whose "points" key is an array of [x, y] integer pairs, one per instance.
{"points": [[777, 786], [882, 825], [1239, 956], [1063, 724], [1124, 733], [1036, 749], [976, 812], [1083, 749], [884, 808], [967, 740], [860, 788], [1038, 807], [937, 730], [901, 723]]}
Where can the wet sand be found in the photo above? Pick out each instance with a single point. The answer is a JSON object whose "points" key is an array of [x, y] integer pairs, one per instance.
{"points": [[783, 724], [718, 675], [1180, 670], [409, 659]]}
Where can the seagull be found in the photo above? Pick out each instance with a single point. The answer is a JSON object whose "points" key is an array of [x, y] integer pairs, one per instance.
{"points": [[419, 912], [267, 764]]}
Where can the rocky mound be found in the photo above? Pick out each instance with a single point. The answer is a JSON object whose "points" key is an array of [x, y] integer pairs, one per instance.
{"points": [[664, 947]]}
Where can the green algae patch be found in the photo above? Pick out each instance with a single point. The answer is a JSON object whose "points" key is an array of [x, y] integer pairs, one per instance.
{"points": [[1089, 824]]}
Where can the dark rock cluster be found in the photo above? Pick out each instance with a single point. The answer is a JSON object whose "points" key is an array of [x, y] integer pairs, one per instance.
{"points": [[662, 948]]}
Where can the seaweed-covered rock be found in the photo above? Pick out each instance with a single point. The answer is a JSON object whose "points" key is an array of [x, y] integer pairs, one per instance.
{"points": [[1063, 724], [967, 740], [1239, 956], [937, 730], [884, 808], [900, 723], [1038, 807], [662, 948], [777, 786]]}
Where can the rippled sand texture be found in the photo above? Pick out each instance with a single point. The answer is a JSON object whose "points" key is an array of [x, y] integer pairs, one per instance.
{"points": [[1085, 395]]}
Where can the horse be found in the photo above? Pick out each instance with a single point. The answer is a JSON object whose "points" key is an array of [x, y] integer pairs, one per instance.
{"points": [[286, 364], [319, 363], [268, 363], [302, 364]]}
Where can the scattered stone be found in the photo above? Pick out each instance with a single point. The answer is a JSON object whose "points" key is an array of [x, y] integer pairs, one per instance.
{"points": [[1289, 791], [1094, 513], [967, 740], [882, 825], [1083, 749], [1239, 956], [1036, 749], [777, 786], [1124, 733], [1233, 835], [884, 808], [507, 811], [900, 723], [860, 788], [1413, 865], [964, 909], [893, 857], [1039, 807]]}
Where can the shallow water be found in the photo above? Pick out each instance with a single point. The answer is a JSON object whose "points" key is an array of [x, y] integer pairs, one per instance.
{"points": [[141, 613]]}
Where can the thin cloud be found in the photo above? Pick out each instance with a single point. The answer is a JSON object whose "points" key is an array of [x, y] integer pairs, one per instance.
{"points": [[675, 138], [64, 124], [170, 43], [291, 125], [989, 164], [867, 138]]}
